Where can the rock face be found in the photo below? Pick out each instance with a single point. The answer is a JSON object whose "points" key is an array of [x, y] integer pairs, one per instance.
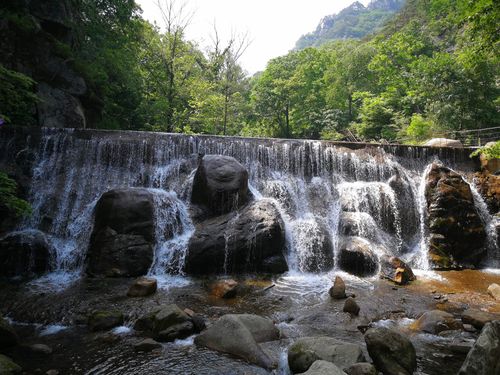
{"points": [[142, 287], [39, 46], [356, 257], [436, 321], [306, 350], [482, 359], [239, 335], [121, 244], [488, 185], [457, 234], [220, 184], [391, 352], [444, 142], [251, 240], [25, 253], [323, 368], [395, 270]]}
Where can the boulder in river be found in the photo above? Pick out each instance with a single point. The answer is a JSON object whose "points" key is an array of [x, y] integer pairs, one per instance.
{"points": [[351, 307], [316, 248], [363, 368], [478, 318], [24, 253], [337, 291], [306, 350], [395, 270], [494, 291], [169, 323], [225, 288], [436, 321], [143, 287], [240, 335], [147, 345], [238, 242], [457, 233], [320, 367], [483, 358], [122, 240], [356, 257], [104, 320], [391, 352], [220, 184]]}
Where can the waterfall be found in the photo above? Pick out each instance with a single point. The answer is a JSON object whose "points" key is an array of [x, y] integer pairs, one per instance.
{"points": [[315, 186]]}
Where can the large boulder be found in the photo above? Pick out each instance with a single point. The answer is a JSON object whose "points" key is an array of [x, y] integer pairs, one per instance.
{"points": [[252, 240], [483, 358], [314, 246], [24, 253], [478, 318], [323, 368], [457, 233], [104, 320], [122, 240], [240, 335], [220, 184], [391, 352], [356, 257], [306, 350], [444, 142]]}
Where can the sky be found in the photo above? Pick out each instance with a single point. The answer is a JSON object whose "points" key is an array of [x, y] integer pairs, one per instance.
{"points": [[272, 26]]}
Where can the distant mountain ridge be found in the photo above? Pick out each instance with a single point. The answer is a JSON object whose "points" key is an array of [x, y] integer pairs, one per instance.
{"points": [[353, 22]]}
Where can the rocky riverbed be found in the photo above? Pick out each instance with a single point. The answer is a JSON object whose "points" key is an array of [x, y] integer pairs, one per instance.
{"points": [[299, 306]]}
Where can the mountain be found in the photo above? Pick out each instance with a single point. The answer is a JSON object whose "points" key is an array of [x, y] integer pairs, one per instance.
{"points": [[353, 22]]}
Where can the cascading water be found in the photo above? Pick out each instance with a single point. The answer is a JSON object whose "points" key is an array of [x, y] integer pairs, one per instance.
{"points": [[315, 185]]}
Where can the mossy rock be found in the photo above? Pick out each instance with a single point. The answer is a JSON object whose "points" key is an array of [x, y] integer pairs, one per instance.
{"points": [[8, 367]]}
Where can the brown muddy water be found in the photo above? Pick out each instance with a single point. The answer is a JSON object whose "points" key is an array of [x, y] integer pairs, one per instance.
{"points": [[299, 304]]}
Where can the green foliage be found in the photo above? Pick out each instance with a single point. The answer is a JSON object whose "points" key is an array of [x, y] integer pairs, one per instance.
{"points": [[491, 151], [9, 199], [17, 99]]}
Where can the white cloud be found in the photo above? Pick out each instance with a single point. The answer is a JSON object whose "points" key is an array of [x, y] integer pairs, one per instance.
{"points": [[273, 26]]}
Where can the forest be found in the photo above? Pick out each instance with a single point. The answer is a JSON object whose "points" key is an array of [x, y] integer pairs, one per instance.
{"points": [[431, 70]]}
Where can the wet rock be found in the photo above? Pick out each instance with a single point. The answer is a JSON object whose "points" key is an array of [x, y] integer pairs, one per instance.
{"points": [[483, 357], [220, 184], [122, 239], [170, 323], [436, 321], [337, 291], [8, 336], [488, 185], [395, 270], [239, 335], [478, 318], [40, 349], [494, 291], [8, 367], [391, 352], [323, 368], [275, 264], [104, 320], [306, 350], [198, 320], [147, 345], [25, 253], [443, 142], [225, 289], [457, 233], [142, 287], [351, 307], [361, 369], [176, 331], [356, 257], [52, 372], [238, 243]]}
